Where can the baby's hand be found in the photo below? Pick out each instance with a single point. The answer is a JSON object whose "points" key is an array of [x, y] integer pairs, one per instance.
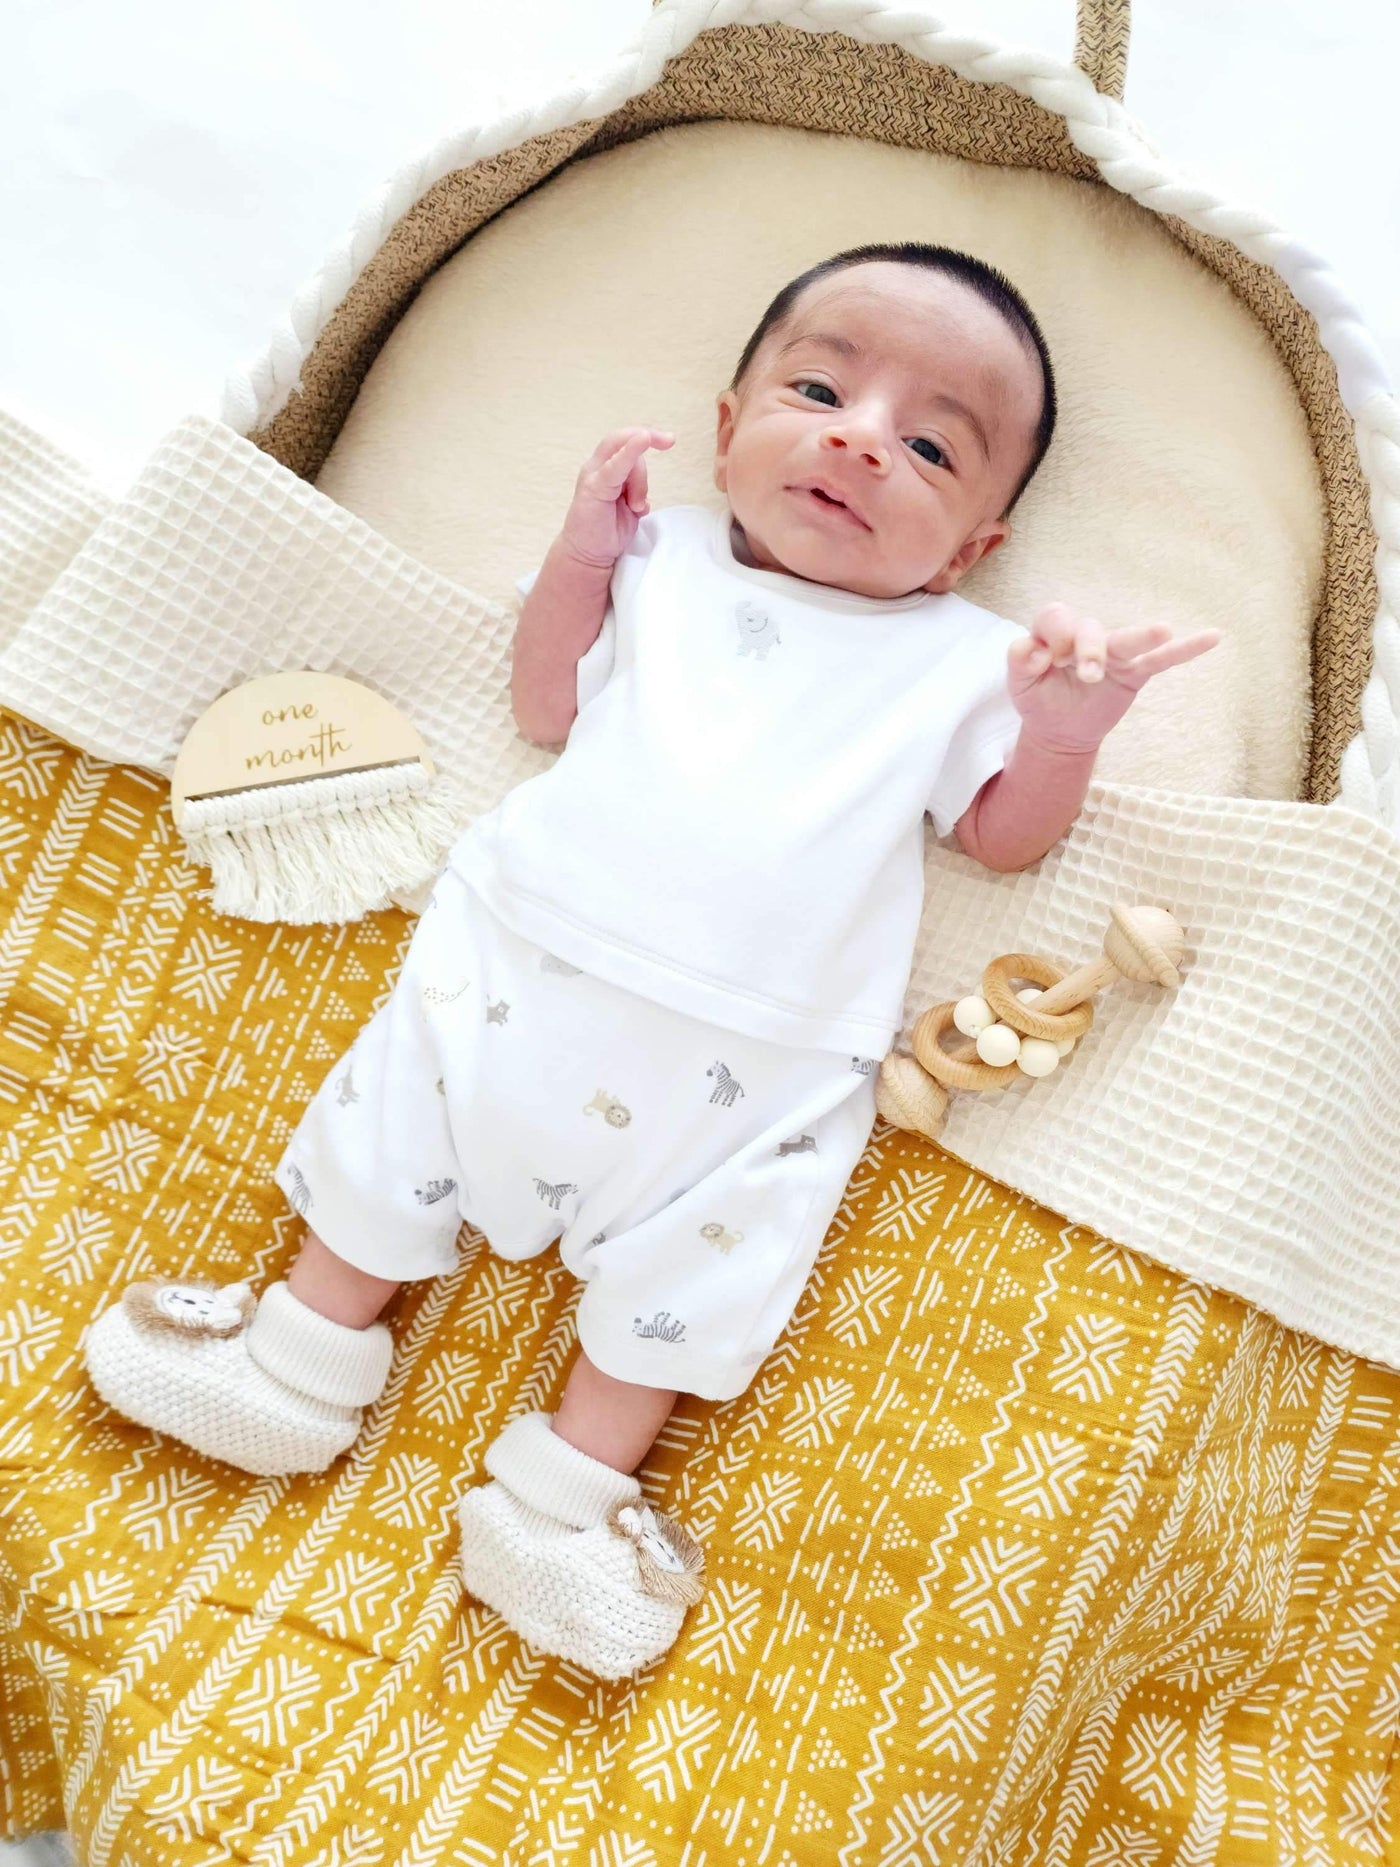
{"points": [[1072, 680], [610, 497]]}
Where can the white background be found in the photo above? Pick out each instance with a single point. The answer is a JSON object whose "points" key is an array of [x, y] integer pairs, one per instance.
{"points": [[172, 173]]}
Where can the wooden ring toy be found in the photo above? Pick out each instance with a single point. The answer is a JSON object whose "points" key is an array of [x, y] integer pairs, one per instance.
{"points": [[954, 1072], [1027, 1019], [1143, 943]]}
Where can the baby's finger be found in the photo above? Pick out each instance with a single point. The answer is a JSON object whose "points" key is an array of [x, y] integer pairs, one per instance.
{"points": [[599, 473], [636, 488], [1123, 644], [608, 446], [1031, 654], [615, 470], [1202, 640], [1169, 656], [1172, 654], [1054, 626], [1028, 655], [617, 466], [1090, 650]]}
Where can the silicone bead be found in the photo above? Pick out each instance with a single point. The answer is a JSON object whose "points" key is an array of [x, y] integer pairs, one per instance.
{"points": [[1038, 1056], [999, 1044], [1063, 1045], [973, 1015]]}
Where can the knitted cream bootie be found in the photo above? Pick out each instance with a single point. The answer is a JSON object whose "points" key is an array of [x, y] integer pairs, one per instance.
{"points": [[565, 1550], [270, 1386]]}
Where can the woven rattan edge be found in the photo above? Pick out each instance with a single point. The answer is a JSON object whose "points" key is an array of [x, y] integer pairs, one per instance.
{"points": [[433, 229], [759, 74]]}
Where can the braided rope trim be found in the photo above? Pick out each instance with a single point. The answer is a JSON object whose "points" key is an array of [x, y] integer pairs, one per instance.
{"points": [[1098, 125]]}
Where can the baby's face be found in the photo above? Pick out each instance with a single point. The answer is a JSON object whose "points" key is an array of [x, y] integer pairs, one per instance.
{"points": [[907, 397]]}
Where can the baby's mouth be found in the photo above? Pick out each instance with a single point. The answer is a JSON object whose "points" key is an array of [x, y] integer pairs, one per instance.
{"points": [[815, 497]]}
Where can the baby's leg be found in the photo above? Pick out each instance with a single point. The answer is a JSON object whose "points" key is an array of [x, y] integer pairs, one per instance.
{"points": [[613, 1421], [333, 1288]]}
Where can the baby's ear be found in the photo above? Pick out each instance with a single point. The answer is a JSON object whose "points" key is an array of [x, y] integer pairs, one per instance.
{"points": [[726, 405], [971, 551]]}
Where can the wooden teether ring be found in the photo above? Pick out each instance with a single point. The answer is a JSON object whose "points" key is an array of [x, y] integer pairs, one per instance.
{"points": [[996, 989], [909, 1098], [953, 1072]]}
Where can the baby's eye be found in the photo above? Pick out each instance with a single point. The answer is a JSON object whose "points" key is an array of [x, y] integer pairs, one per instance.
{"points": [[935, 457], [825, 388]]}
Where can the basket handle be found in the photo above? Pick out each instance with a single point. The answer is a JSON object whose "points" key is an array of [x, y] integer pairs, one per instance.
{"points": [[1101, 43]]}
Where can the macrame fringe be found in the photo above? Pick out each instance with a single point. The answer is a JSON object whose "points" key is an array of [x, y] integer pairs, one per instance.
{"points": [[325, 849]]}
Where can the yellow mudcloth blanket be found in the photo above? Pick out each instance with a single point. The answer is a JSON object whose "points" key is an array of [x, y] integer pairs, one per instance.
{"points": [[1020, 1549]]}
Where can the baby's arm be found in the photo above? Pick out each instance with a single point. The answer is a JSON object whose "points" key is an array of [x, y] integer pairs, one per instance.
{"points": [[1071, 681], [1025, 808], [560, 618]]}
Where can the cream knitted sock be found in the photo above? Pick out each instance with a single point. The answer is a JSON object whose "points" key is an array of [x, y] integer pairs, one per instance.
{"points": [[555, 1478], [326, 1360], [270, 1386], [566, 1550]]}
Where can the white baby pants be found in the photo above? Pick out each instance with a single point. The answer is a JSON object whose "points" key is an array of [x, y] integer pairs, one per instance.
{"points": [[690, 1173]]}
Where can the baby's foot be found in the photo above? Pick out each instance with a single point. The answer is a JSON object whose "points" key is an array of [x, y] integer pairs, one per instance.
{"points": [[270, 1386], [567, 1552]]}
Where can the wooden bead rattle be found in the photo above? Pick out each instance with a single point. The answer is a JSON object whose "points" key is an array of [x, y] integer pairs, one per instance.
{"points": [[1029, 1031]]}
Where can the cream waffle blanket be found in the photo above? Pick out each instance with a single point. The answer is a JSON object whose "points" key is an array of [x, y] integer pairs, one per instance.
{"points": [[1237, 1129]]}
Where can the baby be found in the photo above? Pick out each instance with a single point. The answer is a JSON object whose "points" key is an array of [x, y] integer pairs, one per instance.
{"points": [[643, 1011]]}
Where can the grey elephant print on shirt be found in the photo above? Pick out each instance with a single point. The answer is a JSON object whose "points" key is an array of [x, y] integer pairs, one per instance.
{"points": [[346, 1092], [715, 1234], [804, 1144], [435, 1190], [496, 1014], [552, 1195], [614, 1113], [757, 632], [727, 1086], [663, 1327]]}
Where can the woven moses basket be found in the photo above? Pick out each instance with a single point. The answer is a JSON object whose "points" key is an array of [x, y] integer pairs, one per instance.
{"points": [[940, 91], [1028, 1546]]}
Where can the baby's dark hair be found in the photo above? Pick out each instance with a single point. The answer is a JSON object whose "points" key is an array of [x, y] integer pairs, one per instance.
{"points": [[986, 281]]}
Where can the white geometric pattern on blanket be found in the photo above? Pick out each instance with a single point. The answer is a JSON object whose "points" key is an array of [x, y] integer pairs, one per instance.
{"points": [[1228, 1129]]}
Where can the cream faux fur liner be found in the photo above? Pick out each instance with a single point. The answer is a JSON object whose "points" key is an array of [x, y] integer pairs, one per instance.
{"points": [[1181, 486]]}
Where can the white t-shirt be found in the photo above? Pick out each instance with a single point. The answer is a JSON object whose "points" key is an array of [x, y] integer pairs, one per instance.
{"points": [[735, 825]]}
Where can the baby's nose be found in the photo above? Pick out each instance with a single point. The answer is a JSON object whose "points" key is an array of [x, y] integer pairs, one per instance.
{"points": [[860, 441]]}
